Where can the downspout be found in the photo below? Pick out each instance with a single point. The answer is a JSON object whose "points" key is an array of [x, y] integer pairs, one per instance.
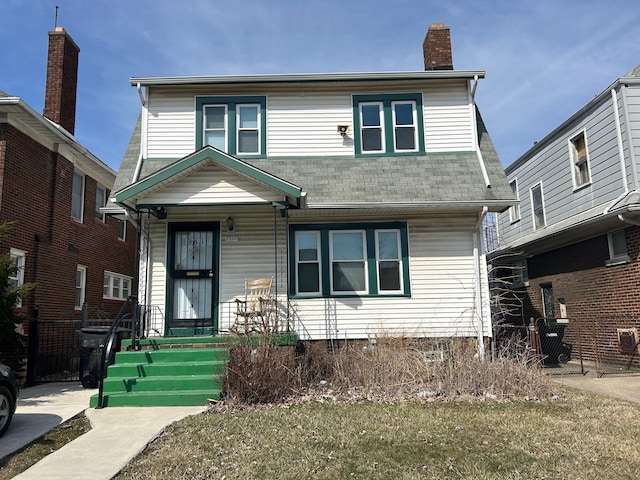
{"points": [[477, 259], [483, 167], [623, 166], [632, 156]]}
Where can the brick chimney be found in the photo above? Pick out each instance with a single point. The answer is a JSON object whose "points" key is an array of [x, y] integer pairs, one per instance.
{"points": [[437, 48], [62, 80]]}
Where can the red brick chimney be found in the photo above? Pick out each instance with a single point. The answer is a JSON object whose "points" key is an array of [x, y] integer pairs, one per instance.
{"points": [[437, 48], [62, 80]]}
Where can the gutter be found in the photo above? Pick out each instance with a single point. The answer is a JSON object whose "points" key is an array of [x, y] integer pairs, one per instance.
{"points": [[472, 101]]}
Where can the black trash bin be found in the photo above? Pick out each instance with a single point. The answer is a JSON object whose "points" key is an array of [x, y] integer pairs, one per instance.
{"points": [[90, 340], [554, 350]]}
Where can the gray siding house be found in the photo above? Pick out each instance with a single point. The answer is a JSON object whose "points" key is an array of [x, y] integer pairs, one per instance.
{"points": [[361, 194], [572, 241]]}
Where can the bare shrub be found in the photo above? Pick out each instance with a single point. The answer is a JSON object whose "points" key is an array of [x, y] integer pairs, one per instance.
{"points": [[392, 368]]}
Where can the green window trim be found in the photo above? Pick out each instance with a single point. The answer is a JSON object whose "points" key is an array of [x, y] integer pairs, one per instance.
{"points": [[232, 104], [370, 231], [387, 101]]}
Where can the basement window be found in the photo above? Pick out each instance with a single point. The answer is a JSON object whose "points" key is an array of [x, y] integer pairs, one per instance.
{"points": [[617, 248]]}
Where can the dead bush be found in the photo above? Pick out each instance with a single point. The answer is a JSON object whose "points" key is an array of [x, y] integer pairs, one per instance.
{"points": [[391, 368]]}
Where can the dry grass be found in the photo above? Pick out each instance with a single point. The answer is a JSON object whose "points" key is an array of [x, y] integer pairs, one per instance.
{"points": [[579, 436]]}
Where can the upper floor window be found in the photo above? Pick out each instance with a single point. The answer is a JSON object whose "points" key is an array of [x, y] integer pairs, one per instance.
{"points": [[101, 196], [235, 125], [350, 259], [77, 196], [16, 277], [388, 124], [537, 206], [579, 160], [514, 210]]}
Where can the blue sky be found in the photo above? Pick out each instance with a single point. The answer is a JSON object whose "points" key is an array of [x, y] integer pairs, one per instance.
{"points": [[544, 59]]}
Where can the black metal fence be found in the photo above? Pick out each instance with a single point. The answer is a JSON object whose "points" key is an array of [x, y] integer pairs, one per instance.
{"points": [[55, 353]]}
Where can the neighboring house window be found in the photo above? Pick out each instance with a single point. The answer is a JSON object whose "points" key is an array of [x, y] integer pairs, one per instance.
{"points": [[514, 210], [122, 230], [77, 196], [350, 259], [388, 124], [116, 286], [617, 248], [537, 206], [235, 125], [579, 160], [81, 285], [519, 274], [19, 259], [101, 195], [548, 304]]}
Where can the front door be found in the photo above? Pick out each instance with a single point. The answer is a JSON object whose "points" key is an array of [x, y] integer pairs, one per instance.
{"points": [[192, 282]]}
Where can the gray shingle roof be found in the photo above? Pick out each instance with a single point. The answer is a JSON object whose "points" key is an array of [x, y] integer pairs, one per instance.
{"points": [[445, 177]]}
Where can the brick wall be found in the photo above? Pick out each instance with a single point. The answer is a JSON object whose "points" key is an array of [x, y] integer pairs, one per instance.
{"points": [[36, 192], [599, 298]]}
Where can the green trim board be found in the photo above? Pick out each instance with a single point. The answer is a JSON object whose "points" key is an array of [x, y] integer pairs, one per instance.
{"points": [[231, 122], [386, 100], [370, 229], [207, 154]]}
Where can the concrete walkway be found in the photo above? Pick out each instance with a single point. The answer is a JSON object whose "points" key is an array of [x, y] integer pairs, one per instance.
{"points": [[623, 386], [117, 434]]}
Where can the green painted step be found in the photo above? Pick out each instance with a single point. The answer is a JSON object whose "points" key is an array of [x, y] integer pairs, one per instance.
{"points": [[126, 370], [157, 399], [180, 373], [160, 384]]}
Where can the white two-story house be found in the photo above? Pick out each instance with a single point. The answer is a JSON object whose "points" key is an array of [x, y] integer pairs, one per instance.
{"points": [[573, 240], [361, 194]]}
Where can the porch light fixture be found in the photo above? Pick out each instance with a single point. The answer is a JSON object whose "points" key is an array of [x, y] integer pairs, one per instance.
{"points": [[230, 226]]}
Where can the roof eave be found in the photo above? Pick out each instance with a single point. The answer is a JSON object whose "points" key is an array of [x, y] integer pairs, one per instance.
{"points": [[306, 78]]}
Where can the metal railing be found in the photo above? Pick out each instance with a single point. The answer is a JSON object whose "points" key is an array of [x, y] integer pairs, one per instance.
{"points": [[110, 341]]}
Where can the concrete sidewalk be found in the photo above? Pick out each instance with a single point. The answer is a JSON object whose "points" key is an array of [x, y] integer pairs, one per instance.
{"points": [[117, 435], [40, 409], [623, 386]]}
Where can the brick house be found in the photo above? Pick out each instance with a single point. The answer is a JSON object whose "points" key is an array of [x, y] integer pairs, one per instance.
{"points": [[571, 248], [53, 188]]}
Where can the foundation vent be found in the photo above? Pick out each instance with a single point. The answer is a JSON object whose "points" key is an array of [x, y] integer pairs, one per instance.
{"points": [[628, 340]]}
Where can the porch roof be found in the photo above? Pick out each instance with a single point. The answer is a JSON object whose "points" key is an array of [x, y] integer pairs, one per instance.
{"points": [[191, 163]]}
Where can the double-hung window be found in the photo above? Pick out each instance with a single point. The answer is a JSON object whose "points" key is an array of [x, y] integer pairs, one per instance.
{"points": [[389, 124], [617, 248], [77, 196], [16, 276], [537, 206], [350, 259], [81, 286], [579, 160], [101, 196], [235, 125]]}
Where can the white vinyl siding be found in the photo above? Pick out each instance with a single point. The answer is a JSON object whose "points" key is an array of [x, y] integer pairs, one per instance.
{"points": [[443, 279], [304, 123], [448, 119], [212, 184]]}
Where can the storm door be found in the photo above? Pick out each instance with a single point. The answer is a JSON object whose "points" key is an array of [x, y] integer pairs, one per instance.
{"points": [[192, 279]]}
